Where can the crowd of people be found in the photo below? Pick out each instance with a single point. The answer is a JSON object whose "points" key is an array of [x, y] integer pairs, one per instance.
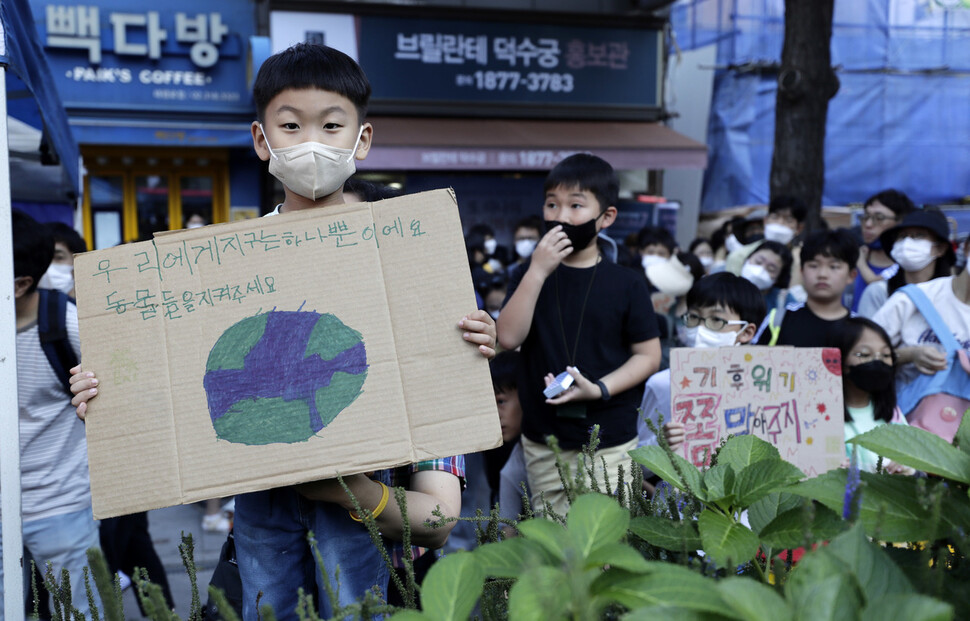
{"points": [[583, 326]]}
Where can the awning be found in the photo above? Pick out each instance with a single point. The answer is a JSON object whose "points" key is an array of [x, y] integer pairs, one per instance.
{"points": [[38, 116], [418, 143], [176, 132]]}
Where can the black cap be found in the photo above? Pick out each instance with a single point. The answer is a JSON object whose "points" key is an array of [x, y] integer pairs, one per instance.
{"points": [[931, 220]]}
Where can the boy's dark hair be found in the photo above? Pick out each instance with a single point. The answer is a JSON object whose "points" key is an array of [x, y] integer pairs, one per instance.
{"points": [[784, 274], [369, 191], [482, 229], [33, 247], [844, 335], [308, 65], [650, 235], [504, 368], [474, 242], [589, 173], [795, 205], [718, 237], [692, 263], [837, 244], [530, 222], [66, 235], [896, 201], [730, 291]]}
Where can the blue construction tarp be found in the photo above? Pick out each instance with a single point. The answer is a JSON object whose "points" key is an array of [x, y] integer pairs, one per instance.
{"points": [[900, 119], [33, 99]]}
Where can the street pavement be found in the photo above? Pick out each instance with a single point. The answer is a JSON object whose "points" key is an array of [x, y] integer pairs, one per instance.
{"points": [[166, 527]]}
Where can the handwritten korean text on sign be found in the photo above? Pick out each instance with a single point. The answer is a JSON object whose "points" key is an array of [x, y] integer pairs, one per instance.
{"points": [[790, 397]]}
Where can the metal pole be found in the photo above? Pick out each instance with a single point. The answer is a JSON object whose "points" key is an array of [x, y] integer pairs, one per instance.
{"points": [[13, 546]]}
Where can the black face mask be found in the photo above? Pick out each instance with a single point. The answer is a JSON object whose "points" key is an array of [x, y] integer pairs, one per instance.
{"points": [[579, 234], [874, 376]]}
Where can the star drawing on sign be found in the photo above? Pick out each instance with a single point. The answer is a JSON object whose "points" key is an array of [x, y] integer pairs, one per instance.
{"points": [[684, 383]]}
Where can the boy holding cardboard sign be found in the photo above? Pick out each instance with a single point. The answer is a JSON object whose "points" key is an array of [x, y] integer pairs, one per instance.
{"points": [[722, 310], [311, 101]]}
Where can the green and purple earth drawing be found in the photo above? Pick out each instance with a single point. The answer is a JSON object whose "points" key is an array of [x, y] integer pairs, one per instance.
{"points": [[282, 376]]}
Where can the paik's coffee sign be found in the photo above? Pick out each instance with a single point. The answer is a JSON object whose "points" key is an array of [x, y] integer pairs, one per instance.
{"points": [[175, 56]]}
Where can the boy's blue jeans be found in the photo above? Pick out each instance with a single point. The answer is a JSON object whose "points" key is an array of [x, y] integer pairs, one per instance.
{"points": [[64, 541], [275, 558]]}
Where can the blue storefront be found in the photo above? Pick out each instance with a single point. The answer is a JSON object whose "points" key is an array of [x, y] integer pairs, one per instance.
{"points": [[158, 98]]}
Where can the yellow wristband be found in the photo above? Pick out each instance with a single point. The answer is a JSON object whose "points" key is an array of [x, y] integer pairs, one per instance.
{"points": [[385, 495]]}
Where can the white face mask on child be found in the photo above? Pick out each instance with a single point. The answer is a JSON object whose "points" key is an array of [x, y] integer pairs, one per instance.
{"points": [[312, 169], [705, 337], [58, 276], [651, 259], [525, 247], [757, 275], [912, 254], [778, 232]]}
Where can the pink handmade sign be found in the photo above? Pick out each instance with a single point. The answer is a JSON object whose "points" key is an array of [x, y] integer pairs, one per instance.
{"points": [[790, 397]]}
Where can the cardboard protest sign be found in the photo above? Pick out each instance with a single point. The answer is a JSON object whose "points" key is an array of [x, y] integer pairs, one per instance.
{"points": [[790, 397], [268, 352]]}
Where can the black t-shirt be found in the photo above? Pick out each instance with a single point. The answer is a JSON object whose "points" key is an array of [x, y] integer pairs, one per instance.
{"points": [[618, 313], [803, 328]]}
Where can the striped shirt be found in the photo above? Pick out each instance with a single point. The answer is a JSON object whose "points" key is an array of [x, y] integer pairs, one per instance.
{"points": [[53, 449]]}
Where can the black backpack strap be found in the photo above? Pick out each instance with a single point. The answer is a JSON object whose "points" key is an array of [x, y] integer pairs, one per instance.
{"points": [[52, 329]]}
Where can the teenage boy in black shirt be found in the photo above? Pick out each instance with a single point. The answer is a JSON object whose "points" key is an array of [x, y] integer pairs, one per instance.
{"points": [[828, 266], [570, 310]]}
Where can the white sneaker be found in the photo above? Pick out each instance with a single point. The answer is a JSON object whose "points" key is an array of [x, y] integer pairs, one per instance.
{"points": [[125, 580], [216, 523]]}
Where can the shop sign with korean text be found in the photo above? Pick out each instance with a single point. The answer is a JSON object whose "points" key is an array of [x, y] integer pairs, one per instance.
{"points": [[494, 68], [177, 55], [268, 352]]}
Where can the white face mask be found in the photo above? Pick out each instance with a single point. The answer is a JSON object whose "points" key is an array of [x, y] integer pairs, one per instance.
{"points": [[195, 225], [651, 259], [490, 246], [757, 275], [686, 335], [778, 232], [731, 243], [312, 169], [705, 337], [913, 254], [525, 247], [58, 276], [707, 262]]}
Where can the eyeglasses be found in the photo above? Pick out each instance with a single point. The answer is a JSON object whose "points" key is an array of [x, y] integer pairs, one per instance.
{"points": [[876, 218], [867, 356], [692, 320]]}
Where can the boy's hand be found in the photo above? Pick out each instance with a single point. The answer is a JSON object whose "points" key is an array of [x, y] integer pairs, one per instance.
{"points": [[675, 433], [581, 390], [84, 386], [550, 251], [479, 329], [894, 468]]}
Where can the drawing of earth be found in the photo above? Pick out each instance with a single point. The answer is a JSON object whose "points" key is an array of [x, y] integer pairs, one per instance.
{"points": [[282, 376]]}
